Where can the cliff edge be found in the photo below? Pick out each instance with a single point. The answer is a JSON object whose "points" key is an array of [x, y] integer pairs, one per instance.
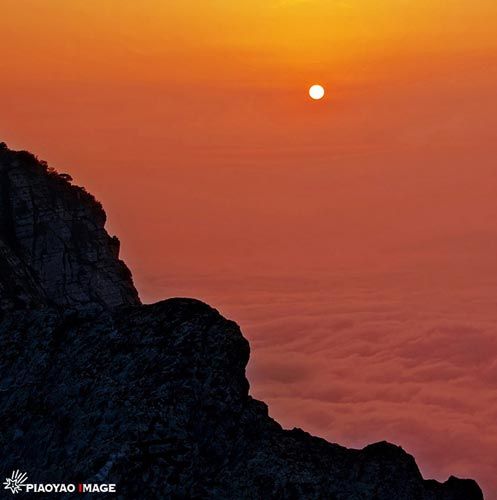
{"points": [[96, 387], [54, 249]]}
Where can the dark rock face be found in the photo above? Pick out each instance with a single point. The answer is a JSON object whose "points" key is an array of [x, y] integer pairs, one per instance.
{"points": [[154, 398], [53, 245]]}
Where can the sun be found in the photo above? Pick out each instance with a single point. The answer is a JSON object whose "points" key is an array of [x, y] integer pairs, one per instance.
{"points": [[316, 92]]}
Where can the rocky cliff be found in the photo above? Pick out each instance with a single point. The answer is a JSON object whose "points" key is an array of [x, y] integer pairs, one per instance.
{"points": [[54, 249], [97, 388]]}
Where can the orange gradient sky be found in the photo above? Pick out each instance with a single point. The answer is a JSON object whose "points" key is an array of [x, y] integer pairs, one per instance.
{"points": [[354, 238]]}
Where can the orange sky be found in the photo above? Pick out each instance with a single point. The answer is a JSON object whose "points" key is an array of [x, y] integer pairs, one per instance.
{"points": [[353, 238]]}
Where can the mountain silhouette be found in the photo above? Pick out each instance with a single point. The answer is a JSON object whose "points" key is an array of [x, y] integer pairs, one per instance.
{"points": [[97, 387]]}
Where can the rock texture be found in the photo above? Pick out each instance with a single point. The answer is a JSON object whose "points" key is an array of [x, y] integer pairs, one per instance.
{"points": [[53, 245], [153, 398]]}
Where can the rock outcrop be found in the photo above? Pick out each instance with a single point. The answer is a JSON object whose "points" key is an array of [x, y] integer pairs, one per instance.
{"points": [[153, 398], [54, 249]]}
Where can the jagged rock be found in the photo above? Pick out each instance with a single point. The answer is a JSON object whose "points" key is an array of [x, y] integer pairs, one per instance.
{"points": [[53, 245], [153, 398]]}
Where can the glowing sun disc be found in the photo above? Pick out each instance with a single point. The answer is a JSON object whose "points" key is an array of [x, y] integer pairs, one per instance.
{"points": [[316, 92]]}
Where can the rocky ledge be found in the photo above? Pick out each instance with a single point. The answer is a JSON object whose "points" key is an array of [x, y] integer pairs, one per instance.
{"points": [[98, 388]]}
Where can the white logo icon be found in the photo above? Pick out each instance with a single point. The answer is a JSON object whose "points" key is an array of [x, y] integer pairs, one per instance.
{"points": [[15, 483]]}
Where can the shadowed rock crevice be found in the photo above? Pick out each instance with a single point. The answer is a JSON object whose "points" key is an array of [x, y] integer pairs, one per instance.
{"points": [[96, 387]]}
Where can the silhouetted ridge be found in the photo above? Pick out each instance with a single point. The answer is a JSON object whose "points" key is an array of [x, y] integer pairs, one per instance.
{"points": [[154, 397]]}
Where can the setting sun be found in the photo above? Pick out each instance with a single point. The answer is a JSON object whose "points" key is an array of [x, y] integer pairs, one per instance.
{"points": [[316, 92]]}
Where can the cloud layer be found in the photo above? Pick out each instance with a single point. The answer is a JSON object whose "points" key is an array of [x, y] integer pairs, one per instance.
{"points": [[358, 360]]}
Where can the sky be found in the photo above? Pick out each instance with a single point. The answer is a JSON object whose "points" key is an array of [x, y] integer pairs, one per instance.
{"points": [[353, 239]]}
